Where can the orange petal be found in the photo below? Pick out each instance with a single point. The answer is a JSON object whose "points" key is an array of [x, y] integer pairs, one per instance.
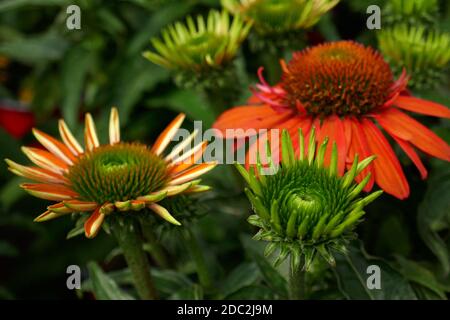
{"points": [[422, 106], [114, 127], [45, 160], [359, 146], [48, 215], [388, 172], [93, 224], [192, 173], [193, 155], [49, 191], [249, 118], [411, 153], [406, 128], [68, 138], [35, 173], [166, 136], [90, 133], [56, 147], [60, 209]]}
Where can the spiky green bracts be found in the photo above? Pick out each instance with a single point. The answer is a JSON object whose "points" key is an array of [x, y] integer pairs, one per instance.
{"points": [[305, 207], [425, 55]]}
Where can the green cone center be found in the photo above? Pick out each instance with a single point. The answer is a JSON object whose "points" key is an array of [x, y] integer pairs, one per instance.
{"points": [[117, 173]]}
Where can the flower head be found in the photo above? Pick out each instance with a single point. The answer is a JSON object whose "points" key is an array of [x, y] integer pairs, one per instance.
{"points": [[344, 90], [424, 55], [305, 207], [274, 17], [198, 45], [115, 177]]}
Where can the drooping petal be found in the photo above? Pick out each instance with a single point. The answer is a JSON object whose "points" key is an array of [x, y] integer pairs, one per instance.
{"points": [[192, 173], [163, 213], [45, 160], [93, 224], [388, 172], [399, 124], [166, 136], [411, 153], [359, 146], [80, 206], [49, 215], [422, 106], [90, 133], [49, 191], [35, 173], [68, 138], [56, 147], [114, 127]]}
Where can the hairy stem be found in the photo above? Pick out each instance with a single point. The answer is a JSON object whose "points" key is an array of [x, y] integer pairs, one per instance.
{"points": [[128, 236], [297, 282]]}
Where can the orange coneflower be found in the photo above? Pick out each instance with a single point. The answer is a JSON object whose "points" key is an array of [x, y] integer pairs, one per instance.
{"points": [[344, 90], [118, 176]]}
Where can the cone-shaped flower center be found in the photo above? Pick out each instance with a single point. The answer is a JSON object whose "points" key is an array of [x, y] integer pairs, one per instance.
{"points": [[117, 172], [337, 78]]}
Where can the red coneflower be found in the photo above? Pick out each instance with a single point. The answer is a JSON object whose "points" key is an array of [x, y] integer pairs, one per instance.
{"points": [[344, 90]]}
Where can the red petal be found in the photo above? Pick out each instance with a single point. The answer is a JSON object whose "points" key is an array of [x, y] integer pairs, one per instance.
{"points": [[333, 128], [388, 172], [404, 127], [411, 153], [359, 146], [422, 106]]}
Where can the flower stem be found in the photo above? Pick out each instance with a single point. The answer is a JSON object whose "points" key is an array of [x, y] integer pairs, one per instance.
{"points": [[196, 253], [129, 238], [297, 282], [158, 252]]}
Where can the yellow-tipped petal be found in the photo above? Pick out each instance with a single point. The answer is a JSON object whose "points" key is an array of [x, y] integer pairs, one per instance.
{"points": [[90, 133], [163, 213], [55, 147], [179, 147], [49, 191], [123, 205], [59, 208], [153, 197], [166, 136], [114, 126], [80, 206], [48, 215], [68, 138], [93, 224], [45, 159], [193, 173], [34, 173]]}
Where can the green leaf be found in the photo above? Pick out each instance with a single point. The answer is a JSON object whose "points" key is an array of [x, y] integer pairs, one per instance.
{"points": [[414, 272], [75, 67], [192, 292], [271, 276], [243, 275], [253, 292], [8, 250], [434, 215], [36, 49], [103, 286], [15, 4], [351, 272]]}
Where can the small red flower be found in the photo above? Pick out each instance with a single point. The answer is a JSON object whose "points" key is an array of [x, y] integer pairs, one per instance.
{"points": [[348, 93]]}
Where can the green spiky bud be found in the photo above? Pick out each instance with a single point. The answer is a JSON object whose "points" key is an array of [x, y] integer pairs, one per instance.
{"points": [[424, 55], [199, 47], [412, 12], [305, 207]]}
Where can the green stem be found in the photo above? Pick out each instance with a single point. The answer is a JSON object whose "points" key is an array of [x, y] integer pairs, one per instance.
{"points": [[196, 253], [129, 238], [158, 252], [297, 286]]}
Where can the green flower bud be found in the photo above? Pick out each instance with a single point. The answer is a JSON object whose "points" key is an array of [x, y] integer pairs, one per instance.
{"points": [[424, 55], [305, 207]]}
